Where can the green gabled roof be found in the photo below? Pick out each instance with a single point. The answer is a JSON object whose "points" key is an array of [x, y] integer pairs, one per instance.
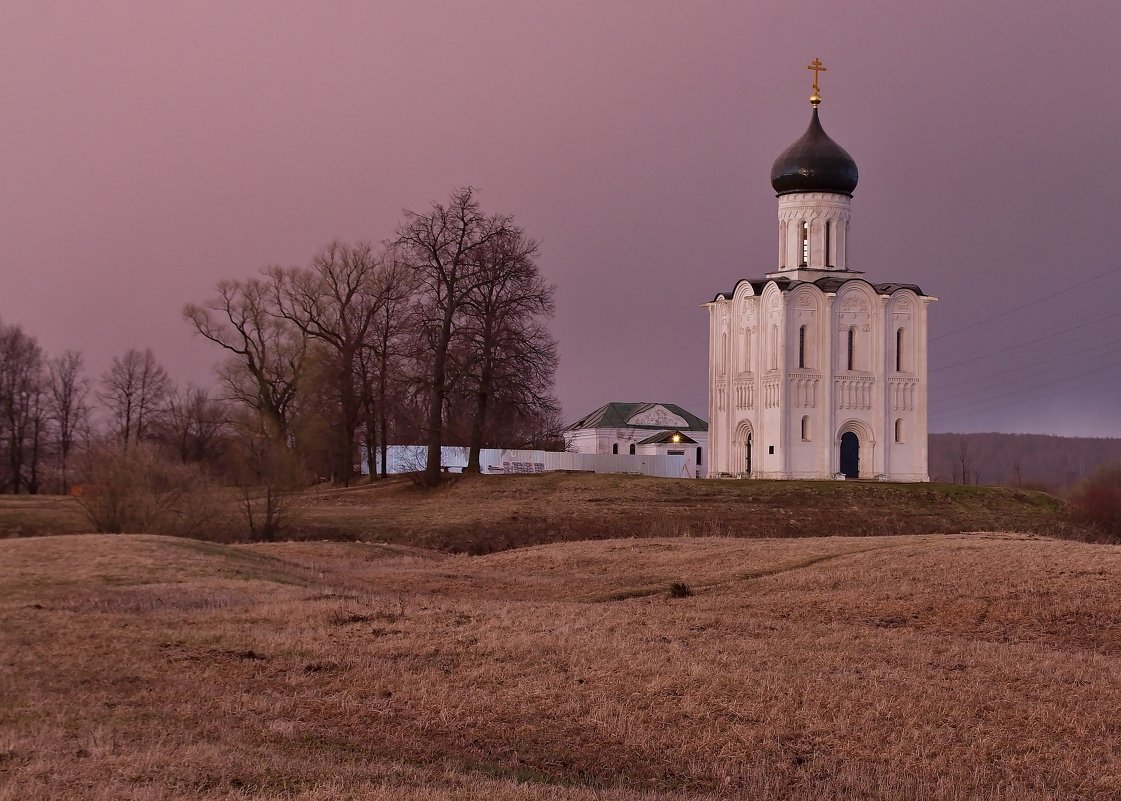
{"points": [[616, 415]]}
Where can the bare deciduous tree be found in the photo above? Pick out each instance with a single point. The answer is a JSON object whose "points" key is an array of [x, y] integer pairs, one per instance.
{"points": [[22, 408], [964, 466], [512, 355], [194, 426], [268, 351], [134, 389], [68, 407], [379, 360], [440, 246], [269, 477], [334, 302]]}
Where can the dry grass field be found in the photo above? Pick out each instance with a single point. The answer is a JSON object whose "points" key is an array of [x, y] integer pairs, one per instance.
{"points": [[488, 513], [491, 513], [897, 667]]}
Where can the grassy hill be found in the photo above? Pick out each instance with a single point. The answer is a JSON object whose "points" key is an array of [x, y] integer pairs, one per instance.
{"points": [[491, 513], [939, 667]]}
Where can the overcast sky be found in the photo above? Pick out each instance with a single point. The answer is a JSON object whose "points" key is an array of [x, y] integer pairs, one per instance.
{"points": [[151, 149]]}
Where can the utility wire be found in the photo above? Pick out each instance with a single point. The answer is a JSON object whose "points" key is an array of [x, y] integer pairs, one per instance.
{"points": [[1007, 382], [1028, 305], [950, 412], [1028, 342], [1033, 366], [1021, 392]]}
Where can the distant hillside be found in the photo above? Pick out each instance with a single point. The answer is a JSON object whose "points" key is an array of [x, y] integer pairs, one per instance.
{"points": [[1015, 459]]}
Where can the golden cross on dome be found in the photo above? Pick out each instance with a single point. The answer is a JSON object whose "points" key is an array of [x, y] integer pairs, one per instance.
{"points": [[817, 67]]}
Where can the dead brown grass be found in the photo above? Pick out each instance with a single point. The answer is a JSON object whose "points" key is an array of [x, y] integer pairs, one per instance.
{"points": [[919, 667], [40, 515], [483, 514]]}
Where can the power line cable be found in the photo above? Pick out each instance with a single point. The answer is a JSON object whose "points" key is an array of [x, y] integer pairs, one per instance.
{"points": [[1032, 366], [1021, 392], [1049, 297], [1028, 342], [950, 412], [1035, 374]]}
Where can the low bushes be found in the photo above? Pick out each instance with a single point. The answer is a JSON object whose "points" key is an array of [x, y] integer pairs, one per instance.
{"points": [[1096, 503]]}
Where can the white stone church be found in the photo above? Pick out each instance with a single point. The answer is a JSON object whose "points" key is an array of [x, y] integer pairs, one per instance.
{"points": [[814, 372]]}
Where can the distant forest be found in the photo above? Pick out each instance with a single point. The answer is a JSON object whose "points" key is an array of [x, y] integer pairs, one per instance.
{"points": [[1034, 460]]}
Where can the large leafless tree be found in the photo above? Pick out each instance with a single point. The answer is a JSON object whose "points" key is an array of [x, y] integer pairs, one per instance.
{"points": [[512, 355], [381, 360], [68, 408], [22, 409], [334, 302], [440, 246], [267, 352], [134, 390]]}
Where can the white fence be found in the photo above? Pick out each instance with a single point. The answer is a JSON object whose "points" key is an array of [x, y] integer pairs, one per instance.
{"points": [[409, 458]]}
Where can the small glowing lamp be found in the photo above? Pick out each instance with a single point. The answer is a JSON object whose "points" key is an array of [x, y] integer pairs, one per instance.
{"points": [[677, 438]]}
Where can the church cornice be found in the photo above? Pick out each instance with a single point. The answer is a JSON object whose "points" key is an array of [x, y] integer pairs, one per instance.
{"points": [[829, 285]]}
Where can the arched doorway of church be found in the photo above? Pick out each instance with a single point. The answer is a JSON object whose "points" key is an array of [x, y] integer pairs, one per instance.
{"points": [[850, 455], [742, 441]]}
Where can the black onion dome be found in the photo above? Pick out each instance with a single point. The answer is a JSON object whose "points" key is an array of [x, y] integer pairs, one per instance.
{"points": [[814, 163]]}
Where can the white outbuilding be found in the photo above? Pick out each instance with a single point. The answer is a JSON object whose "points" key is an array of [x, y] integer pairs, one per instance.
{"points": [[814, 371], [642, 429]]}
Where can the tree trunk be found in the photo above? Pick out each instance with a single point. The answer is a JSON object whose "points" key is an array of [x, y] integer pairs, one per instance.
{"points": [[371, 439], [436, 401], [482, 397], [383, 417], [344, 459]]}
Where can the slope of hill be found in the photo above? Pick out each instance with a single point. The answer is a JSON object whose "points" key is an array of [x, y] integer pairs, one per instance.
{"points": [[490, 513], [480, 514], [1019, 459], [949, 667]]}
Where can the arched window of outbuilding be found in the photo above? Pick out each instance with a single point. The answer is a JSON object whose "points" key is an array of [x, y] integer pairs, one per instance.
{"points": [[615, 449], [632, 449]]}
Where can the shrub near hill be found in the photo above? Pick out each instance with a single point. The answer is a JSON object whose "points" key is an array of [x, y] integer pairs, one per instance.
{"points": [[1096, 503], [134, 489]]}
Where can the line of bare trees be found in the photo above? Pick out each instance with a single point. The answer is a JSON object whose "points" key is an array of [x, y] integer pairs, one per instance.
{"points": [[50, 411], [437, 336]]}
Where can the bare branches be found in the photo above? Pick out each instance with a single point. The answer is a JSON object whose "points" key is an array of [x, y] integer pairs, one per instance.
{"points": [[67, 406], [437, 334], [268, 351], [135, 389], [334, 302], [22, 412], [441, 247]]}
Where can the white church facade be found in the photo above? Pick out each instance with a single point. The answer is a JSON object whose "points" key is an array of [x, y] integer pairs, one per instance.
{"points": [[815, 372]]}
